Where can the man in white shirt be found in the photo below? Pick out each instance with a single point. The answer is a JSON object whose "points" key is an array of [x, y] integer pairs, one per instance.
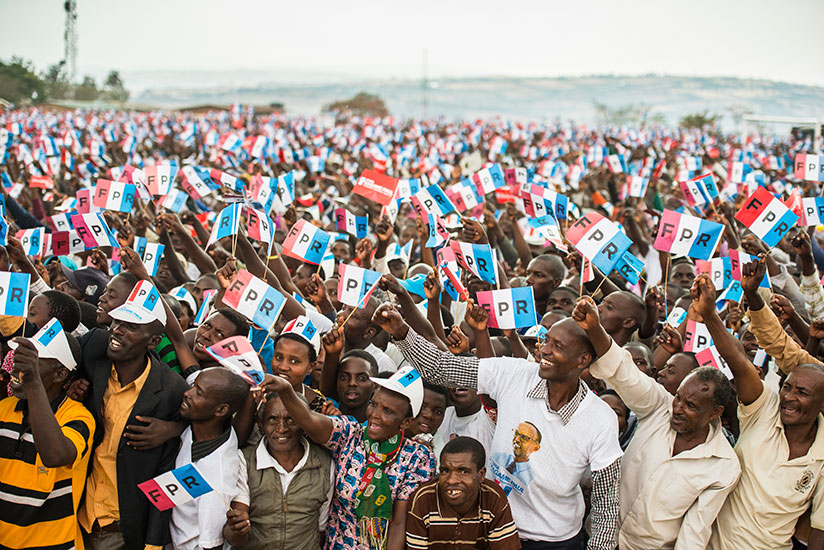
{"points": [[679, 467], [211, 445], [579, 430]]}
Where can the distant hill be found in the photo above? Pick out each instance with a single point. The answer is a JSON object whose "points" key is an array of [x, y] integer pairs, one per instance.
{"points": [[514, 98]]}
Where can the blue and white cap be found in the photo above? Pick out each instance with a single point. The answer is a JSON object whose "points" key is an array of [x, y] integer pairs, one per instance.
{"points": [[302, 326], [51, 343], [143, 306], [407, 382]]}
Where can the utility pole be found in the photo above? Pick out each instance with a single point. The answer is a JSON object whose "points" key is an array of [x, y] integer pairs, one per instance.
{"points": [[425, 85], [70, 40]]}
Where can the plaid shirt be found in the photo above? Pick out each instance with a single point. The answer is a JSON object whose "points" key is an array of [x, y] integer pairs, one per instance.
{"points": [[444, 369], [813, 294]]}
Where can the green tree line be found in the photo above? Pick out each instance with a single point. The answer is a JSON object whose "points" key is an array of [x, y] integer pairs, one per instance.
{"points": [[20, 83]]}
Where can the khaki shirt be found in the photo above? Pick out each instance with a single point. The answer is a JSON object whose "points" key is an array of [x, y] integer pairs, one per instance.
{"points": [[771, 336], [774, 492], [666, 501]]}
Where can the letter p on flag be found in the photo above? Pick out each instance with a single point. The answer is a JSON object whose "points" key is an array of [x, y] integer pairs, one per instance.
{"points": [[179, 486]]}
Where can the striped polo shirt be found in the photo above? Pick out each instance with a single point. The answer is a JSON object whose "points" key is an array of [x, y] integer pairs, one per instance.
{"points": [[431, 523], [38, 505]]}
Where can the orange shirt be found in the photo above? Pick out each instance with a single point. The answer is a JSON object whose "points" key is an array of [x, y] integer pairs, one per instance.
{"points": [[101, 487]]}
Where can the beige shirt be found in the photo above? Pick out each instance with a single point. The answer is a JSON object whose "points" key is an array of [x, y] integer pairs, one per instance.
{"points": [[774, 492], [666, 501]]}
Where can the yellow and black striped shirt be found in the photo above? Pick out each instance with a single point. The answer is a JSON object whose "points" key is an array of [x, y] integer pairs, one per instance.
{"points": [[38, 505], [432, 524]]}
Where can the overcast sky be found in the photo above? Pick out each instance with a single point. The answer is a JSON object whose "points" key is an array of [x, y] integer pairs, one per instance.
{"points": [[747, 38]]}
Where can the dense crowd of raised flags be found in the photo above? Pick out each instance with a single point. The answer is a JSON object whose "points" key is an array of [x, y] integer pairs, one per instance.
{"points": [[234, 169]]}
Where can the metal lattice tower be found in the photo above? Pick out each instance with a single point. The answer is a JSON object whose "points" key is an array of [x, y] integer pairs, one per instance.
{"points": [[70, 40]]}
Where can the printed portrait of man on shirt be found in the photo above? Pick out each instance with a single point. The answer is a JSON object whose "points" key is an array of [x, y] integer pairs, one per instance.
{"points": [[514, 471]]}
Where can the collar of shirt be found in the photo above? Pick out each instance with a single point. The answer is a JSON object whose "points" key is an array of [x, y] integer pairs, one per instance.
{"points": [[816, 450], [265, 460], [202, 449], [540, 392], [23, 404]]}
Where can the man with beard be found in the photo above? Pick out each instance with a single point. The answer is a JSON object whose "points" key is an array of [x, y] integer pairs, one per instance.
{"points": [[679, 467], [127, 382]]}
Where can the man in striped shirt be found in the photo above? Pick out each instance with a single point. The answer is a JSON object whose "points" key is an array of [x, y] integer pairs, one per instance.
{"points": [[45, 442], [460, 509]]}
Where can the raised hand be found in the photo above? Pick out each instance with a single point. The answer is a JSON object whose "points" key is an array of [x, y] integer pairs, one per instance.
{"points": [[670, 340], [389, 319], [703, 296], [389, 283], [432, 286], [456, 341], [333, 341], [476, 317], [473, 231], [751, 275], [586, 314], [226, 273], [384, 229], [817, 329], [99, 260], [132, 263], [315, 289], [782, 307], [752, 245], [801, 244]]}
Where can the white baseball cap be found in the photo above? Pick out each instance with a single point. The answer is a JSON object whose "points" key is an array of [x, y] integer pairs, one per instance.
{"points": [[143, 306], [304, 327], [407, 382], [51, 343]]}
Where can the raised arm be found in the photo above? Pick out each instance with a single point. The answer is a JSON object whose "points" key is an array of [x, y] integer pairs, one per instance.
{"points": [[436, 366], [53, 446], [410, 310], [193, 250], [333, 345], [747, 381], [766, 327], [615, 365]]}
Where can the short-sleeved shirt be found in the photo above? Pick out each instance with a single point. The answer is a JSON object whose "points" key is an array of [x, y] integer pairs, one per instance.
{"points": [[432, 523], [773, 492], [413, 466], [544, 491], [38, 505]]}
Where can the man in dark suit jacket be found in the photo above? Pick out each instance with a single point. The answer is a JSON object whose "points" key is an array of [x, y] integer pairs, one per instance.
{"points": [[127, 383]]}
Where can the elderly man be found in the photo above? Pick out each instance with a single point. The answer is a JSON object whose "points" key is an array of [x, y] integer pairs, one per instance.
{"points": [[377, 467], [679, 467], [781, 445]]}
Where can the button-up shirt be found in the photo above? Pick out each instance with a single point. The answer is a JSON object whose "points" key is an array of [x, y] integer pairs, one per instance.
{"points": [[102, 502], [666, 501], [762, 511]]}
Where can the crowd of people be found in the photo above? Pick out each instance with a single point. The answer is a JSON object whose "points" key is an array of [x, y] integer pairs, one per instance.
{"points": [[407, 418]]}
